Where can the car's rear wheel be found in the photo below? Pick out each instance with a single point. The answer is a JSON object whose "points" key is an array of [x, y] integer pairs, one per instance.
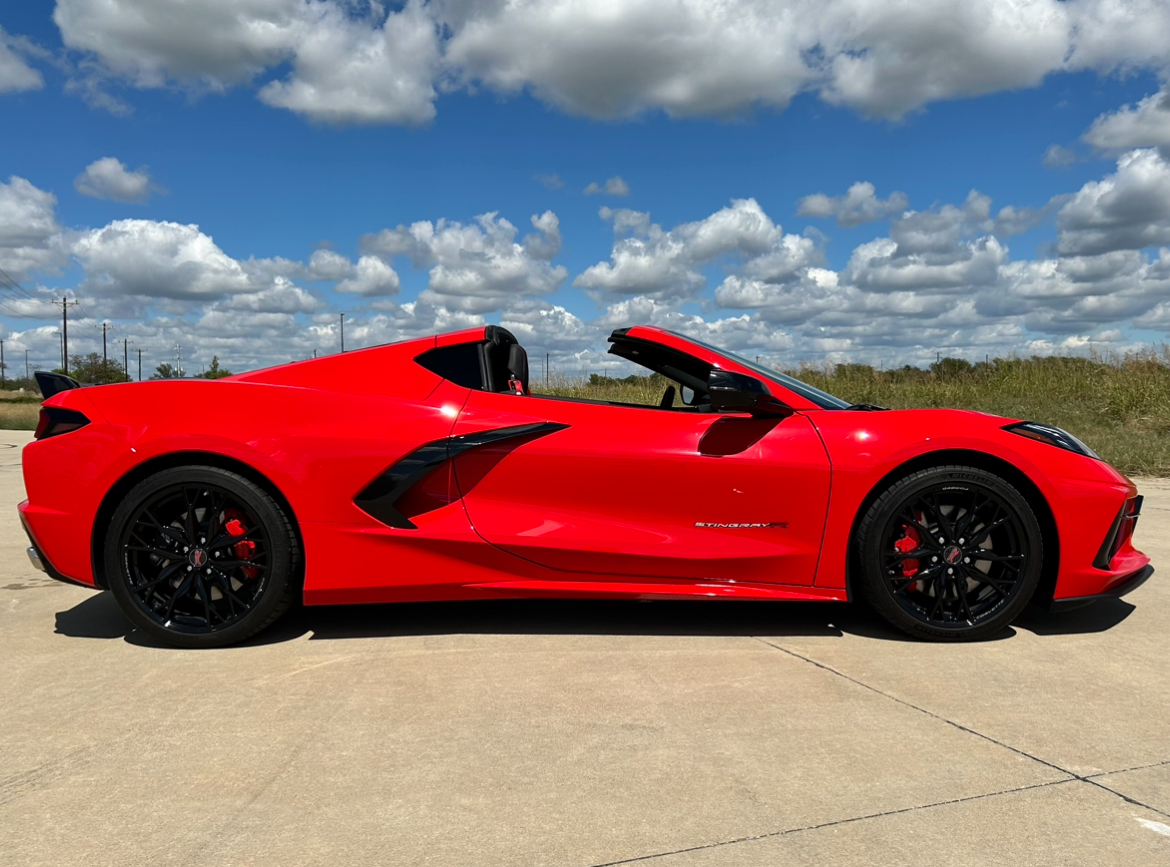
{"points": [[201, 557], [949, 554]]}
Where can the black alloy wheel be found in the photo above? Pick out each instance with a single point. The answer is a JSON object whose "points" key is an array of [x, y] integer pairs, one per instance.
{"points": [[201, 557], [950, 553]]}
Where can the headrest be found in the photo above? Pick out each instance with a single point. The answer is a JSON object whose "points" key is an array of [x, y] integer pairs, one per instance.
{"points": [[518, 364]]}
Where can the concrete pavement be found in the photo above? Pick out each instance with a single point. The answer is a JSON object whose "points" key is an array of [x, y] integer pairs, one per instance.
{"points": [[581, 733]]}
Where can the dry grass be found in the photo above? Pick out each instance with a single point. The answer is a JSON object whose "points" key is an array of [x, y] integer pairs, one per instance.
{"points": [[644, 390], [19, 414]]}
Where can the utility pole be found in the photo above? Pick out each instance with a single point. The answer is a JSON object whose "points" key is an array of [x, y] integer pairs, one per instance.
{"points": [[140, 365], [65, 305], [343, 332], [125, 359], [1, 364], [105, 360], [546, 370], [178, 360], [26, 376]]}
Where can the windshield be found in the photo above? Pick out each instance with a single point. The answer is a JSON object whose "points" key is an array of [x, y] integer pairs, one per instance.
{"points": [[821, 398]]}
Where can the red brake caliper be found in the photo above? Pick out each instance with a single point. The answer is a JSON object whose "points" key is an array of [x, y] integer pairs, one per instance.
{"points": [[909, 542], [244, 549]]}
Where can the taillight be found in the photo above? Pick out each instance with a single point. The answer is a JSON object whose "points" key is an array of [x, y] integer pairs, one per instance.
{"points": [[55, 420]]}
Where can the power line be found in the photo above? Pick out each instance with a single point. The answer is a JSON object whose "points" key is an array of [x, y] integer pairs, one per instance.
{"points": [[14, 286], [15, 311]]}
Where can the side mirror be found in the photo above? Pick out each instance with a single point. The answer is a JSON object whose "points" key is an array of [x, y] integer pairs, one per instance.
{"points": [[737, 392]]}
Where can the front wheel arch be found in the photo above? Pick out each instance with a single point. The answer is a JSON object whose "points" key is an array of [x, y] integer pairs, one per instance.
{"points": [[1046, 589], [167, 461]]}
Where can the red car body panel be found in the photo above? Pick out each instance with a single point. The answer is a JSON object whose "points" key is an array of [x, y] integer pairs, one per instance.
{"points": [[620, 491], [611, 500]]}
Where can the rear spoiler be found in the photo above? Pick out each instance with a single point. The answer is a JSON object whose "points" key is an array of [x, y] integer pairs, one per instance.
{"points": [[53, 383]]}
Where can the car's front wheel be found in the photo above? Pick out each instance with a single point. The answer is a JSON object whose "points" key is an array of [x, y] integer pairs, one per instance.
{"points": [[949, 553], [201, 557]]}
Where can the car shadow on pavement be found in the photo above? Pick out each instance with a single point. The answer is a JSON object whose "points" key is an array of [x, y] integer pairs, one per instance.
{"points": [[1099, 616], [576, 617], [98, 616]]}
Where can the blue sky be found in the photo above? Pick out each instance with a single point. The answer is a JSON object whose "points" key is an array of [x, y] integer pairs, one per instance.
{"points": [[268, 184]]}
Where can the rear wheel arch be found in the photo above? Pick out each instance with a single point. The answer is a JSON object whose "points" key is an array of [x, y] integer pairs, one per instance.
{"points": [[168, 461], [1010, 473]]}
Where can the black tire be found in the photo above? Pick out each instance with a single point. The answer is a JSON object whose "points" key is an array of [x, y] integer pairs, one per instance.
{"points": [[238, 580], [980, 554]]}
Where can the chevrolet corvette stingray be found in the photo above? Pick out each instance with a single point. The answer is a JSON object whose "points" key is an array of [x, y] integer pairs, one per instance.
{"points": [[430, 470]]}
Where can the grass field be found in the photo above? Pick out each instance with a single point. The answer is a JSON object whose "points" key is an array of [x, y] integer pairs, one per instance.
{"points": [[19, 411], [1119, 406]]}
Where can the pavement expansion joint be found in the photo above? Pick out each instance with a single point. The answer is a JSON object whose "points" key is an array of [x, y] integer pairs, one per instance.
{"points": [[846, 821], [1127, 770], [1089, 779]]}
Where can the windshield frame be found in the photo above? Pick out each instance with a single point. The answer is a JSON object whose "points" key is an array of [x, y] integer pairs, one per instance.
{"points": [[814, 395]]}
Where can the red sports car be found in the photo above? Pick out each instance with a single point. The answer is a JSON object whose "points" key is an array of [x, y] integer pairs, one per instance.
{"points": [[427, 470]]}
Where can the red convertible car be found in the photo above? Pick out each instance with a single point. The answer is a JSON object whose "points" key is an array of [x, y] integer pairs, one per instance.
{"points": [[428, 470]]}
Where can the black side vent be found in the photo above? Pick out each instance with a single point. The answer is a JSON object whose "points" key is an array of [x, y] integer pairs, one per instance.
{"points": [[1119, 532], [379, 497]]}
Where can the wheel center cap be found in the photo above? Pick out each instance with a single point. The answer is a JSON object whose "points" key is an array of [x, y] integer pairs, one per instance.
{"points": [[197, 557], [952, 554]]}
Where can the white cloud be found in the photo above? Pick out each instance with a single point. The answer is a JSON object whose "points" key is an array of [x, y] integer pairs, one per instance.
{"points": [[15, 73], [664, 264], [792, 303], [346, 68], [1147, 125], [549, 181], [158, 260], [283, 296], [108, 178], [1109, 35], [881, 266], [1014, 221], [325, 264], [211, 44], [858, 205], [883, 61], [689, 58], [359, 63], [30, 237], [371, 276], [543, 327], [1058, 157], [477, 268], [1127, 210], [614, 186], [344, 72]]}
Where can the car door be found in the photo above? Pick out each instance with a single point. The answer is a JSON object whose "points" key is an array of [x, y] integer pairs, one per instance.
{"points": [[585, 486]]}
